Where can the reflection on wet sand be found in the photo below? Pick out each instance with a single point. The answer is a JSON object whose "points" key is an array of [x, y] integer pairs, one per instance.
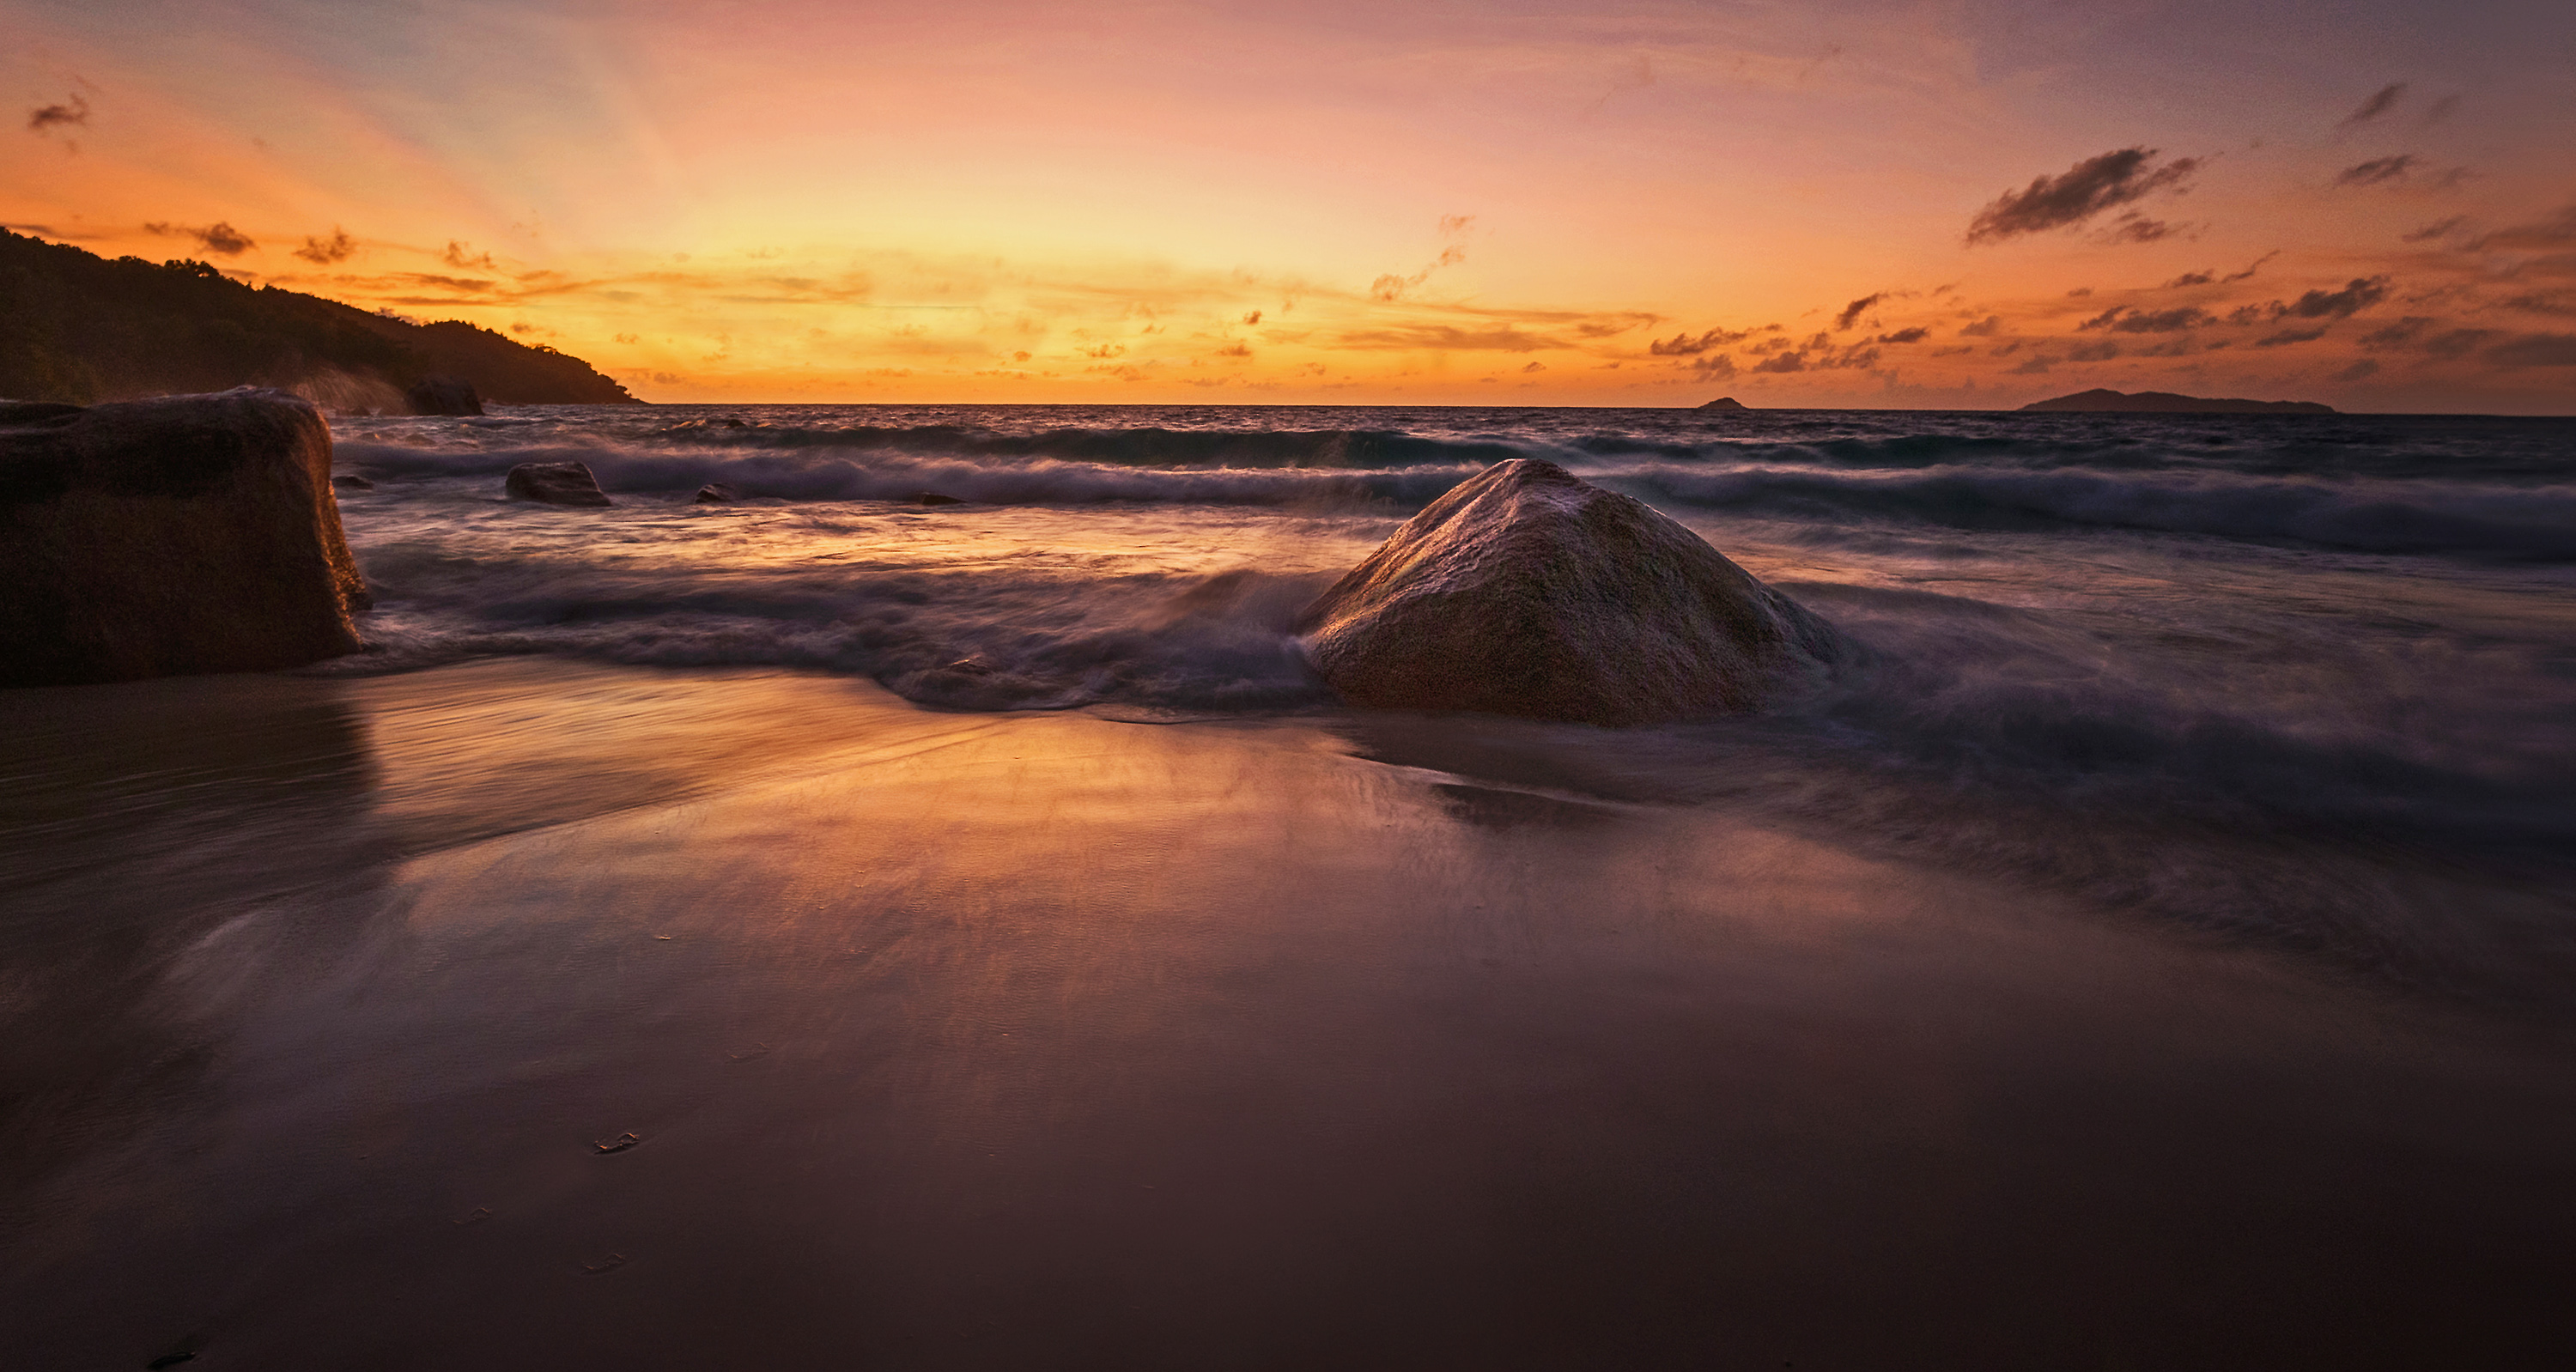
{"points": [[972, 1041]]}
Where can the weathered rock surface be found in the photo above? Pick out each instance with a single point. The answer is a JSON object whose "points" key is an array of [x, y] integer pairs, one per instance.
{"points": [[193, 533], [555, 483], [717, 493], [1529, 591], [443, 395]]}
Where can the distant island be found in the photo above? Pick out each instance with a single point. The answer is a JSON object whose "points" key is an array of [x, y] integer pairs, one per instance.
{"points": [[80, 328], [1724, 402], [2166, 402]]}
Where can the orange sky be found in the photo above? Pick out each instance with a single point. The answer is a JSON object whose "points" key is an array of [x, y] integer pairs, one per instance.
{"points": [[1647, 204]]}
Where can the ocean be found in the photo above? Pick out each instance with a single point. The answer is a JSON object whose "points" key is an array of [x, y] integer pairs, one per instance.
{"points": [[830, 929], [2304, 680]]}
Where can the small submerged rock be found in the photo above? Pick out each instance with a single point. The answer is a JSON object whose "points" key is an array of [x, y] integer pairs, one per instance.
{"points": [[555, 483], [352, 483], [1529, 591], [935, 498], [716, 493]]}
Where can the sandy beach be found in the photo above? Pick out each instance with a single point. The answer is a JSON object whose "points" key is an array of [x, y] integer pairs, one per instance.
{"points": [[937, 1040]]}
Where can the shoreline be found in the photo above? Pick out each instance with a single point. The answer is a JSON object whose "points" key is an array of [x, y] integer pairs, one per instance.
{"points": [[1039, 1038]]}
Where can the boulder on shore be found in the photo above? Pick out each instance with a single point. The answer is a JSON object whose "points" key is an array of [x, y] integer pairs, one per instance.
{"points": [[193, 533], [555, 483], [443, 395], [717, 493], [1529, 591]]}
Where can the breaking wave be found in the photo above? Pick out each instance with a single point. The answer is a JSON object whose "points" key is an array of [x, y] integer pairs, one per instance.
{"points": [[2523, 521]]}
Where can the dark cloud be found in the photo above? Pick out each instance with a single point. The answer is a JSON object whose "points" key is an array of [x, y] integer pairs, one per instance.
{"points": [[2101, 350], [2432, 231], [1852, 312], [2191, 279], [2378, 170], [1904, 336], [2441, 110], [1688, 345], [2535, 350], [2365, 367], [339, 247], [2033, 366], [2360, 294], [1252, 318], [462, 255], [2133, 227], [2401, 334], [2122, 319], [2287, 337], [1818, 355], [73, 111], [2378, 104], [2075, 196], [219, 238], [1983, 328], [2248, 273], [2557, 231], [1238, 350], [1713, 368], [2561, 303], [2457, 342]]}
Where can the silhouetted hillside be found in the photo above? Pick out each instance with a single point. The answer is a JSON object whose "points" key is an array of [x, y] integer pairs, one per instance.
{"points": [[2166, 402], [78, 327]]}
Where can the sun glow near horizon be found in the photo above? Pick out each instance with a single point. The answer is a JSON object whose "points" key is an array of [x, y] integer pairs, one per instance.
{"points": [[1650, 205]]}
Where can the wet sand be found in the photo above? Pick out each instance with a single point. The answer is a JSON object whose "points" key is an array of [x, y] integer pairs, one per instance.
{"points": [[965, 1041]]}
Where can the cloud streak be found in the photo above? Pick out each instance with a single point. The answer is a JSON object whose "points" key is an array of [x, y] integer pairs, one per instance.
{"points": [[73, 111], [2378, 170], [1685, 344], [322, 252], [2381, 102], [1851, 313], [2083, 192], [219, 238]]}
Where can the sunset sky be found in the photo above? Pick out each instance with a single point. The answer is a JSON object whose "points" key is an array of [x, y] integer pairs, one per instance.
{"points": [[1940, 204]]}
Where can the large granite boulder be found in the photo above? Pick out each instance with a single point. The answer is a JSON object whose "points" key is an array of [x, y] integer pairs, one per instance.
{"points": [[1529, 591], [443, 395], [554, 483], [194, 533]]}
